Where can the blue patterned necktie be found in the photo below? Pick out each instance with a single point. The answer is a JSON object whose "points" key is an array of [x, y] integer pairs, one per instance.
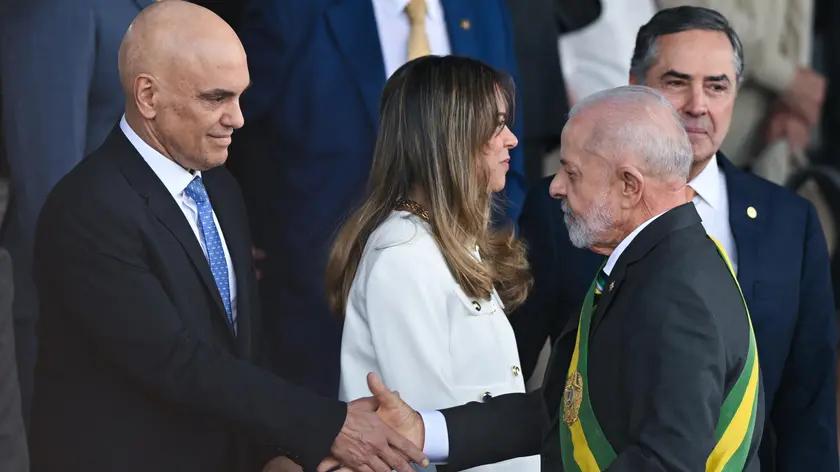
{"points": [[212, 242]]}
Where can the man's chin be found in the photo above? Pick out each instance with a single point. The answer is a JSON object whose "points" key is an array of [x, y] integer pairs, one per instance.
{"points": [[602, 250], [702, 147], [575, 238]]}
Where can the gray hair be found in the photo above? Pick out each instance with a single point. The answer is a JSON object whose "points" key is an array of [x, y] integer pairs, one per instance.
{"points": [[657, 136], [678, 20]]}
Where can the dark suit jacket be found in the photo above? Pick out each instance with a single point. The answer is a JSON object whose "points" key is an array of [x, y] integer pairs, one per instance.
{"points": [[61, 97], [783, 268], [138, 366], [304, 155], [668, 342], [14, 456]]}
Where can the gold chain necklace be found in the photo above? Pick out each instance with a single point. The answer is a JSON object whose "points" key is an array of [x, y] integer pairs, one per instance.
{"points": [[405, 204]]}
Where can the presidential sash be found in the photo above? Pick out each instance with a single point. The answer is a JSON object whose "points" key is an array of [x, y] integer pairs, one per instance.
{"points": [[584, 447]]}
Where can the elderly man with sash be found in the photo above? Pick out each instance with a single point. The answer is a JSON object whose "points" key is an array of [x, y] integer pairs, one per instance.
{"points": [[659, 372]]}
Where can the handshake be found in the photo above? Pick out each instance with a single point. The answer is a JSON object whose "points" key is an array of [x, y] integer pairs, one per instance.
{"points": [[381, 433]]}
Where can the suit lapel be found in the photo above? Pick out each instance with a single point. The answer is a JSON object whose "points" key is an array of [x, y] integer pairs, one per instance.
{"points": [[355, 33], [746, 230], [673, 220], [165, 209], [458, 15], [239, 250], [613, 283]]}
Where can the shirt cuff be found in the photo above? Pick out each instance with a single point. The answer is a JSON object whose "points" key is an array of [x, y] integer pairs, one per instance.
{"points": [[436, 445]]}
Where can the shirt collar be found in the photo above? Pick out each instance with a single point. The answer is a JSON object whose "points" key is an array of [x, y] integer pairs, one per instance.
{"points": [[397, 7], [608, 267], [174, 177], [707, 183]]}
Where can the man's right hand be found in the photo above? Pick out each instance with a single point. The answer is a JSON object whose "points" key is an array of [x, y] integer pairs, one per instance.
{"points": [[367, 444], [395, 413]]}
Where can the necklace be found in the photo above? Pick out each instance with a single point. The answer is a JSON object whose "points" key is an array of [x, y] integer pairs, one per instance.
{"points": [[405, 204]]}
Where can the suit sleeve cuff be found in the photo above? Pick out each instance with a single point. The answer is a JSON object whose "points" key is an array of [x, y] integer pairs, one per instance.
{"points": [[436, 445]]}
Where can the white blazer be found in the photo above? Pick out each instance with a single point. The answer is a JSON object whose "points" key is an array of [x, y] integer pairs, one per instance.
{"points": [[408, 320]]}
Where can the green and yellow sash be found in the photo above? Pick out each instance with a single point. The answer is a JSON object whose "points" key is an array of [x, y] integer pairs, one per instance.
{"points": [[585, 448]]}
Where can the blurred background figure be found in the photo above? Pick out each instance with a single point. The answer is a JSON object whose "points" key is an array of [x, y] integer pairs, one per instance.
{"points": [[536, 26], [14, 455], [61, 98], [596, 57]]}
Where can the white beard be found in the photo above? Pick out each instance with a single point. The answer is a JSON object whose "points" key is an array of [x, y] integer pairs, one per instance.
{"points": [[584, 231]]}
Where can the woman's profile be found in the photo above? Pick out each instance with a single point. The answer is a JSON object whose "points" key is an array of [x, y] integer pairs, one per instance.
{"points": [[418, 272]]}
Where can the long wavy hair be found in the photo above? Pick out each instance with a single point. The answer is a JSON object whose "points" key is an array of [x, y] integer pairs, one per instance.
{"points": [[437, 115]]}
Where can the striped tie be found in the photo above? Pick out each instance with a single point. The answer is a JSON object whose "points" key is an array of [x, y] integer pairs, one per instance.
{"points": [[600, 284]]}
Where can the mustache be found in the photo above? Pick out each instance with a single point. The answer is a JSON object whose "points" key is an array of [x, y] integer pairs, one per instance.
{"points": [[569, 215], [566, 209]]}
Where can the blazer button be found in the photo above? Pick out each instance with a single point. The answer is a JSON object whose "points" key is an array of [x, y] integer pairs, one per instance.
{"points": [[515, 370], [486, 396], [476, 305]]}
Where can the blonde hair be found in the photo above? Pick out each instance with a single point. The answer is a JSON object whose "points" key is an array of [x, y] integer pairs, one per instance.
{"points": [[437, 114]]}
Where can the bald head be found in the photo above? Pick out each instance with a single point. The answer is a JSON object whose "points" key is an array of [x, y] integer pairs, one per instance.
{"points": [[633, 124], [183, 69], [172, 34]]}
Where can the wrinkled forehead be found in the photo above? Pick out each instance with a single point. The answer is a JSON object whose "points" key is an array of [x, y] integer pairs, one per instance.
{"points": [[696, 54]]}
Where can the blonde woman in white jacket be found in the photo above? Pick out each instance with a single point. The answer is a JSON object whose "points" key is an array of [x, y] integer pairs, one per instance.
{"points": [[421, 279]]}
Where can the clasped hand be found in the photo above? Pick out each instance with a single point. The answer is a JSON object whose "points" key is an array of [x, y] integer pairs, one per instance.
{"points": [[381, 433]]}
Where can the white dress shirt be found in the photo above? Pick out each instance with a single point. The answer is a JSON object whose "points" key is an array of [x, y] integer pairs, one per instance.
{"points": [[175, 178], [409, 321], [597, 57], [394, 28], [712, 203]]}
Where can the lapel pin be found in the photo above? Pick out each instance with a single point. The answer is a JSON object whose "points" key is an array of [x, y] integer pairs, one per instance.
{"points": [[751, 212], [612, 285], [465, 24]]}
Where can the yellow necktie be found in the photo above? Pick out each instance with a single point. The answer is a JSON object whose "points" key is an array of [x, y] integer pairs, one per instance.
{"points": [[418, 41]]}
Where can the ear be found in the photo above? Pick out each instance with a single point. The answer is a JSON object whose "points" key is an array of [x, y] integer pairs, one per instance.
{"points": [[633, 184], [145, 95], [634, 80]]}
